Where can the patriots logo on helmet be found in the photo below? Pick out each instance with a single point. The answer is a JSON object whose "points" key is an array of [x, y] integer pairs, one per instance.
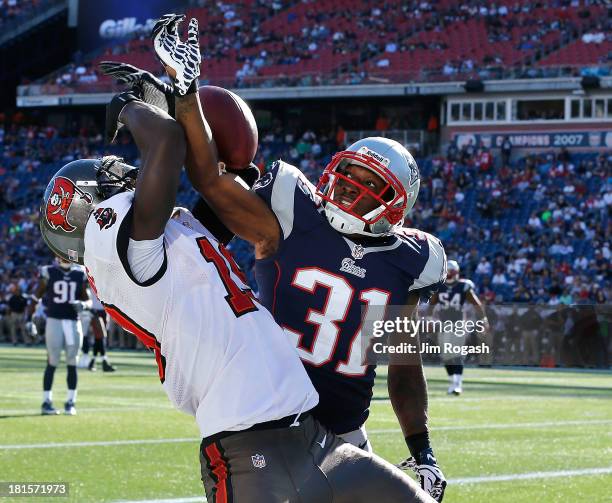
{"points": [[105, 217], [59, 202]]}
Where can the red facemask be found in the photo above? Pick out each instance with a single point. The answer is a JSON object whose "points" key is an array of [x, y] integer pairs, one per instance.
{"points": [[393, 207]]}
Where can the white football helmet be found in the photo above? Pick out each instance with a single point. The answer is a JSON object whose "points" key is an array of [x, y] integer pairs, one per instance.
{"points": [[452, 275], [390, 161]]}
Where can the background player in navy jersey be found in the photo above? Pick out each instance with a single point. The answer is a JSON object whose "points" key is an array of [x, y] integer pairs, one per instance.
{"points": [[324, 254], [63, 286], [451, 299]]}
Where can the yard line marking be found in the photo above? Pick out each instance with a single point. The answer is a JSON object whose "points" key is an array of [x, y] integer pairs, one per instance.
{"points": [[502, 426], [464, 480], [101, 443], [533, 475], [373, 431], [199, 499], [35, 412]]}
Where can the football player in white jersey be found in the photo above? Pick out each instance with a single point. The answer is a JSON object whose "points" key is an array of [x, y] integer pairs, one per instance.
{"points": [[221, 357]]}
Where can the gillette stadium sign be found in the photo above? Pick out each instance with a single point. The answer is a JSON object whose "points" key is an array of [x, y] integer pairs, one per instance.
{"points": [[111, 28], [103, 23]]}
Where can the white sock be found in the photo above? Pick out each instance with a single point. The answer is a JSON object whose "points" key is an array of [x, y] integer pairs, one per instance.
{"points": [[459, 379], [72, 393], [47, 396], [104, 359]]}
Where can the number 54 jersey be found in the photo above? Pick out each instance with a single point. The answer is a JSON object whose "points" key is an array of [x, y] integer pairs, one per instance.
{"points": [[220, 355], [319, 285]]}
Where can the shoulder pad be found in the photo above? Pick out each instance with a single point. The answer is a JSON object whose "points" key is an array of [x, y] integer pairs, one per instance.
{"points": [[281, 188], [44, 272], [468, 285], [434, 271]]}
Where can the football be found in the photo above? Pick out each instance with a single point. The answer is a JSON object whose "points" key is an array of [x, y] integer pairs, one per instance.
{"points": [[232, 124]]}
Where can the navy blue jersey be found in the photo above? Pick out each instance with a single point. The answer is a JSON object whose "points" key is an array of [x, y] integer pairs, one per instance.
{"points": [[63, 287], [452, 298], [319, 283]]}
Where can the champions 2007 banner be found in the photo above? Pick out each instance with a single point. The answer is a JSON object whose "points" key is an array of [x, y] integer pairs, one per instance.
{"points": [[538, 139], [104, 23]]}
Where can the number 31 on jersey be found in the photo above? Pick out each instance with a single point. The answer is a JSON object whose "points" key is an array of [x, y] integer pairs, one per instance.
{"points": [[328, 321]]}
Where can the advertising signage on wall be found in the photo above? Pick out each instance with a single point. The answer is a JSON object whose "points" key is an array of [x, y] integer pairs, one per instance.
{"points": [[567, 139], [102, 23]]}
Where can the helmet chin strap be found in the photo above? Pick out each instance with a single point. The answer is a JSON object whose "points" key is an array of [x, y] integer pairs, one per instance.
{"points": [[349, 224]]}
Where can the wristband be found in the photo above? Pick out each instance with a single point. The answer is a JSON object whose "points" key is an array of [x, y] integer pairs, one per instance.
{"points": [[193, 88], [417, 443]]}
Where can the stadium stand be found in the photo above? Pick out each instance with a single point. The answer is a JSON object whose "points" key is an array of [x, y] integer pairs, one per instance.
{"points": [[265, 43], [18, 16]]}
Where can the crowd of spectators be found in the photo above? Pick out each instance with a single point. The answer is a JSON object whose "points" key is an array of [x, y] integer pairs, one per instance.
{"points": [[292, 43], [12, 11], [542, 224]]}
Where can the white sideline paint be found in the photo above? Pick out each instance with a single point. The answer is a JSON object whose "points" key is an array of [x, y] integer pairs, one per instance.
{"points": [[373, 431], [533, 475], [467, 480], [61, 445], [503, 426]]}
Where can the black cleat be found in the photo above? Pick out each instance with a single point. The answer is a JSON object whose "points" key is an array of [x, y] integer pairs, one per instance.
{"points": [[92, 365], [47, 409], [69, 408], [107, 367]]}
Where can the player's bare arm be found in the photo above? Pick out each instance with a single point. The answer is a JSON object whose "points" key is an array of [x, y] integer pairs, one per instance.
{"points": [[407, 385], [473, 299], [242, 211], [41, 288], [161, 143], [239, 210]]}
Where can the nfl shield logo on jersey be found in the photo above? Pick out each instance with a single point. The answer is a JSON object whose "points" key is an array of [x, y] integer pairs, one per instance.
{"points": [[357, 252], [258, 461]]}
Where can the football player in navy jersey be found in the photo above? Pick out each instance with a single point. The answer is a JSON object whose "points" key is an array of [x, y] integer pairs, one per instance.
{"points": [[63, 286], [451, 299], [326, 254]]}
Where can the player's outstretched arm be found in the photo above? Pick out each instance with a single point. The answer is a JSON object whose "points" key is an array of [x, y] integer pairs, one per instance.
{"points": [[242, 211], [406, 383], [407, 388], [161, 143], [473, 299]]}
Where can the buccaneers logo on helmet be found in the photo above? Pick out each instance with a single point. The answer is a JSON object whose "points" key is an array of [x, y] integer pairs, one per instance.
{"points": [[105, 217], [59, 202]]}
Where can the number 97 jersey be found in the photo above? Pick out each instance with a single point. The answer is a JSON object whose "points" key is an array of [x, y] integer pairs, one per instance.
{"points": [[320, 285]]}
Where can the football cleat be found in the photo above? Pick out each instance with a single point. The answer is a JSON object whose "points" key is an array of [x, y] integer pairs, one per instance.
{"points": [[455, 390], [92, 365], [107, 367], [69, 408], [47, 409]]}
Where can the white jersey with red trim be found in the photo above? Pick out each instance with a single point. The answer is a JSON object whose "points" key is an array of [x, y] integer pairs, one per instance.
{"points": [[221, 356]]}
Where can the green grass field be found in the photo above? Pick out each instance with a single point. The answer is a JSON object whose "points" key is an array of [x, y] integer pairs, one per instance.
{"points": [[128, 443]]}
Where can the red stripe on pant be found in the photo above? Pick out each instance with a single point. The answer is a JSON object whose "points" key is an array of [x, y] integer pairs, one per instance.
{"points": [[218, 467]]}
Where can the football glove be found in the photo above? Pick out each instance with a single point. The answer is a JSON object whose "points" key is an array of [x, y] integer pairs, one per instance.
{"points": [[113, 111], [183, 58], [428, 473], [153, 91]]}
